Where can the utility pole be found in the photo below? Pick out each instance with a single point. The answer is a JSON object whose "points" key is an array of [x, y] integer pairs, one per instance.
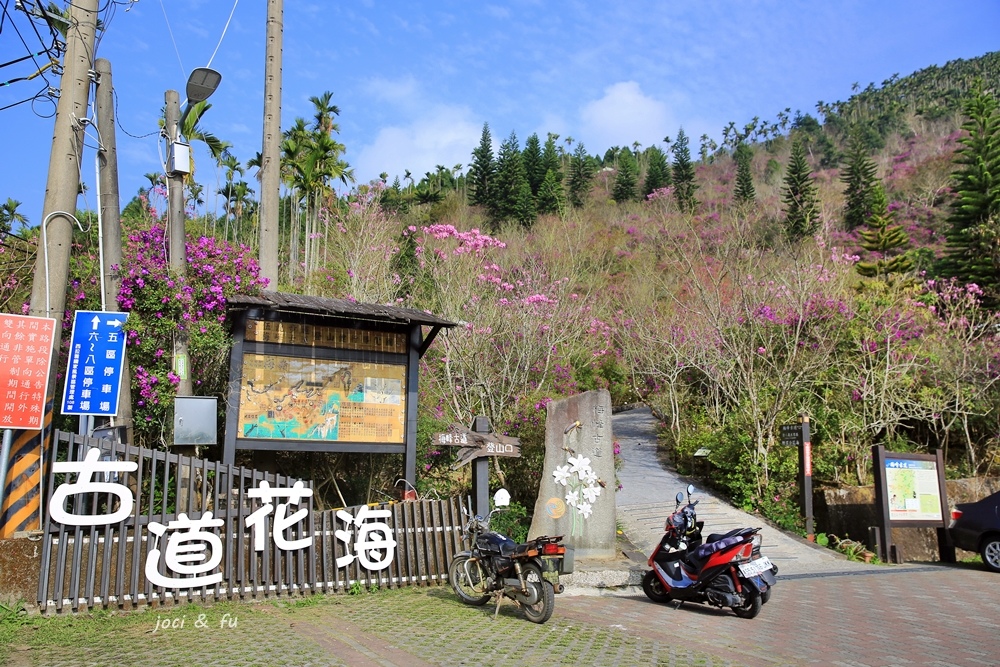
{"points": [[48, 289], [111, 235], [175, 222], [270, 164]]}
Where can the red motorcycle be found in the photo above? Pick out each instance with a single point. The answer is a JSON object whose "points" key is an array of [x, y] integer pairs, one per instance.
{"points": [[728, 570]]}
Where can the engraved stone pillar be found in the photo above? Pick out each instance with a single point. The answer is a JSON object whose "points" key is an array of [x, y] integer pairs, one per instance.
{"points": [[576, 497]]}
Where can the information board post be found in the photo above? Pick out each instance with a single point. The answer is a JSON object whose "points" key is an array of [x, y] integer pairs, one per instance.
{"points": [[481, 472], [797, 435], [806, 477]]}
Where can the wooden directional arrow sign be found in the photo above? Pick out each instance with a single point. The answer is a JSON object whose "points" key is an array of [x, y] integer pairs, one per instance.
{"points": [[474, 445]]}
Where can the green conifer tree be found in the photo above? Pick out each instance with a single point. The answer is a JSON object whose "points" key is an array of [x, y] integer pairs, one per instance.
{"points": [[627, 178], [657, 171], [800, 196], [512, 198], [683, 174], [744, 195], [581, 172], [861, 178], [885, 241], [482, 171], [533, 167], [973, 239], [551, 197], [550, 157]]}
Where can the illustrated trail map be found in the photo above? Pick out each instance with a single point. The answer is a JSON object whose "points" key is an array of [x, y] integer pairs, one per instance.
{"points": [[293, 398], [913, 490]]}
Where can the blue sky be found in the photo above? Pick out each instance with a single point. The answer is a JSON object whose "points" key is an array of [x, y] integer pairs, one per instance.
{"points": [[415, 81]]}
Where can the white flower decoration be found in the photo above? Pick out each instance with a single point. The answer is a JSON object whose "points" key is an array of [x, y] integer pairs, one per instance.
{"points": [[579, 464], [589, 476], [585, 509], [591, 493], [561, 474], [572, 499]]}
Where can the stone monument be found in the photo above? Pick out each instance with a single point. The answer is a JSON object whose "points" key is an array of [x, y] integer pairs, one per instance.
{"points": [[576, 497]]}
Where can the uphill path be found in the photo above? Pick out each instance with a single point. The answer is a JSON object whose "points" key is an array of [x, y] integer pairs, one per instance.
{"points": [[646, 499]]}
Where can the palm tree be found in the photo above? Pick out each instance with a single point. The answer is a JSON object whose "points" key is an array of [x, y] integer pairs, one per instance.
{"points": [[193, 131], [194, 191], [238, 204], [232, 166], [325, 111], [9, 215], [256, 162]]}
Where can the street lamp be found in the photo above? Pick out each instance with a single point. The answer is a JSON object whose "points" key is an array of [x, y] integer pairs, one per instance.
{"points": [[201, 84]]}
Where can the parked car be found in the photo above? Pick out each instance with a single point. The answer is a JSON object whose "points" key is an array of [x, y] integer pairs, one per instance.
{"points": [[976, 527]]}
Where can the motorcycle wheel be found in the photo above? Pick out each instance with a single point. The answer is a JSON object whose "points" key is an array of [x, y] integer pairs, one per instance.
{"points": [[468, 586], [542, 610], [751, 603], [765, 596], [653, 588]]}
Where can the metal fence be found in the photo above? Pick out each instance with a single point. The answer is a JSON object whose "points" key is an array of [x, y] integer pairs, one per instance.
{"points": [[241, 541]]}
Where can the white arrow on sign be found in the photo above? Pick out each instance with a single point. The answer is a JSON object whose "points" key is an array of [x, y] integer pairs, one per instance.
{"points": [[114, 323], [95, 321]]}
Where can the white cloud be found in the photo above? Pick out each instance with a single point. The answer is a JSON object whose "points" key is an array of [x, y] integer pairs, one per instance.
{"points": [[624, 115], [403, 92], [444, 135]]}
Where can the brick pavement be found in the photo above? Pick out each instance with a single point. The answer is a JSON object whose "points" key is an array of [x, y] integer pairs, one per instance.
{"points": [[919, 616], [931, 615]]}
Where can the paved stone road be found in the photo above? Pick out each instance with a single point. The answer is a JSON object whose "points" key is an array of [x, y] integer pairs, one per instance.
{"points": [[647, 498]]}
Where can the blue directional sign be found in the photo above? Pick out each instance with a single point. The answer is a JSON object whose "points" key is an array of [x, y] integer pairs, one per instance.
{"points": [[94, 370]]}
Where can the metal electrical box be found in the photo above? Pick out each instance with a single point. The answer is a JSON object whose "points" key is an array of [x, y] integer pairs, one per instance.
{"points": [[196, 420], [179, 158]]}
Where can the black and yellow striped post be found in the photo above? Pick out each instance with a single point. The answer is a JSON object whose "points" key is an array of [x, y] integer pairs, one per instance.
{"points": [[22, 497]]}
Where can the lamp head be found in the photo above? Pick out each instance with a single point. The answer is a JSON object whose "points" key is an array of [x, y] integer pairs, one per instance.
{"points": [[201, 84]]}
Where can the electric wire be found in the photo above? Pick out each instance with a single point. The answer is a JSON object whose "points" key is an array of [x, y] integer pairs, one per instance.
{"points": [[223, 36], [21, 59], [40, 94], [52, 51], [171, 33], [23, 41], [114, 93], [39, 36]]}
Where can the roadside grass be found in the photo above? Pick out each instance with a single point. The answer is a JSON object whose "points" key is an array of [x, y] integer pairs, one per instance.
{"points": [[426, 622], [99, 635]]}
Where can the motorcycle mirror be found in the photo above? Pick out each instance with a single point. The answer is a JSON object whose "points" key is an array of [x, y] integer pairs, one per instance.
{"points": [[690, 489], [679, 498], [501, 498]]}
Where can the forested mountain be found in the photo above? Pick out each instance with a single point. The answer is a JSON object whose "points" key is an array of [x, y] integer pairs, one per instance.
{"points": [[842, 266]]}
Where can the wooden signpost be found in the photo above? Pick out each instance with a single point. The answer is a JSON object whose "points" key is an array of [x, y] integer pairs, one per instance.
{"points": [[476, 444], [797, 435]]}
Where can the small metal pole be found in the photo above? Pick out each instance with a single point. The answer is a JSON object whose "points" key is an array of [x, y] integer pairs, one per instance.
{"points": [[8, 439]]}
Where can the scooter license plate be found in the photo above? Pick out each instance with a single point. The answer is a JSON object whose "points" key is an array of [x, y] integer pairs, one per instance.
{"points": [[755, 567]]}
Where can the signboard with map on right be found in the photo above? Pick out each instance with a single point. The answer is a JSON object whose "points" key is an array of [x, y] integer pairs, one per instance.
{"points": [[912, 490], [909, 492]]}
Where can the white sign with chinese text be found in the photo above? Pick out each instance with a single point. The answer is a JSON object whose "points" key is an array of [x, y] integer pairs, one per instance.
{"points": [[186, 552]]}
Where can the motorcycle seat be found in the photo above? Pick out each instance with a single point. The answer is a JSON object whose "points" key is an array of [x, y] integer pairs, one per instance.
{"points": [[698, 557], [715, 537]]}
